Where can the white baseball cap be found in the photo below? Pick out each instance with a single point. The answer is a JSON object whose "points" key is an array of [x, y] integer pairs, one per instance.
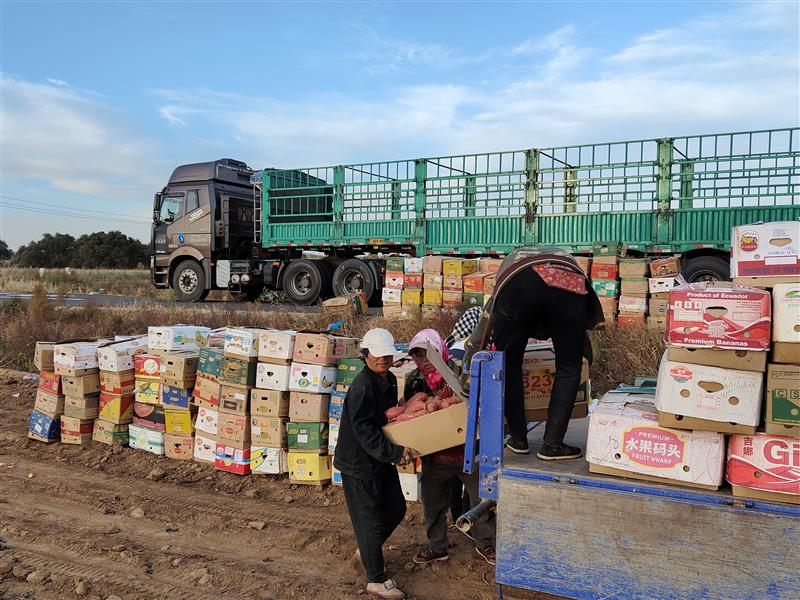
{"points": [[378, 342]]}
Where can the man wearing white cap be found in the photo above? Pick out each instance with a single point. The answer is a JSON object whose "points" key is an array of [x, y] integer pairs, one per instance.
{"points": [[367, 460]]}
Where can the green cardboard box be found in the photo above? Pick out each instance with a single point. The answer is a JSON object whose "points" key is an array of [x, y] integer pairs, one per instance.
{"points": [[609, 248], [347, 369], [210, 362], [473, 298], [308, 437], [396, 263], [606, 288], [237, 371]]}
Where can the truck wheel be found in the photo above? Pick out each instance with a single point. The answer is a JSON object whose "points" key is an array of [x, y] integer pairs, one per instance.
{"points": [[706, 268], [304, 281], [189, 281], [353, 276]]}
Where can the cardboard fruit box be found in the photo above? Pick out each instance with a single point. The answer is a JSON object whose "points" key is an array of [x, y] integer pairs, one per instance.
{"points": [[149, 416], [719, 397], [604, 271], [117, 409], [76, 431], [273, 377], [625, 439], [324, 349], [243, 342], [635, 287], [309, 468], [742, 360], [606, 288], [766, 249], [51, 404], [238, 371], [634, 267], [207, 390], [234, 430], [175, 397], [392, 295], [179, 421], [396, 263], [207, 420], [149, 440], [664, 267], [177, 337], [458, 267], [119, 356], [75, 359], [179, 447], [413, 281], [433, 282], [209, 362], [268, 461], [306, 407], [783, 394], [394, 280], [232, 460], [50, 382], [701, 315], [268, 431], [276, 345], [431, 265], [433, 432], [312, 378], [609, 248], [81, 385], [204, 447], [43, 356], [82, 408], [307, 437], [786, 313], [180, 365], [234, 400], [148, 391], [122, 383], [269, 403], [147, 366], [43, 427], [111, 434], [764, 466], [347, 369], [413, 265]]}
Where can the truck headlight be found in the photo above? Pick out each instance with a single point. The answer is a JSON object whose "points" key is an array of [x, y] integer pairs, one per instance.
{"points": [[245, 278], [234, 279]]}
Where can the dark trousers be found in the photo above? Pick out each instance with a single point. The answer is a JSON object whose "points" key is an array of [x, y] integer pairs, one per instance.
{"points": [[529, 308], [376, 507], [436, 494], [459, 499]]}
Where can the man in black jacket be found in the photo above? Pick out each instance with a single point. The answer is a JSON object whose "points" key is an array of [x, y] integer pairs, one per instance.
{"points": [[367, 460]]}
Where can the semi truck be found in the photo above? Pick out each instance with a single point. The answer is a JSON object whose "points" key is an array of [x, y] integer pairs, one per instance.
{"points": [[325, 231]]}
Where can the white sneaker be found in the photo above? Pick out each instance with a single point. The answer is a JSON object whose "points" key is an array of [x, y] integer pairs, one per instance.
{"points": [[388, 589]]}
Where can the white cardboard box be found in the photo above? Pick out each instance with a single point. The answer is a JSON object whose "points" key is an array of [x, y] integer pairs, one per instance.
{"points": [[711, 393], [272, 461], [273, 377], [333, 435], [207, 421], [413, 265], [766, 249], [392, 295], [76, 356], [276, 345], [118, 357], [149, 440], [632, 304], [411, 485], [312, 378], [204, 447], [626, 436], [662, 284], [177, 337], [242, 342], [786, 312]]}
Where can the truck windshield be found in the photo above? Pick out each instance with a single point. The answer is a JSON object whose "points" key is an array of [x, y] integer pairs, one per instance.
{"points": [[171, 207]]}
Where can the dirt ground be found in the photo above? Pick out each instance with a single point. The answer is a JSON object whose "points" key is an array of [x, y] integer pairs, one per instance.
{"points": [[101, 522]]}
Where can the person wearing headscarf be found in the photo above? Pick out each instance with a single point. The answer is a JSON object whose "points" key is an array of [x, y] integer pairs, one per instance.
{"points": [[441, 468]]}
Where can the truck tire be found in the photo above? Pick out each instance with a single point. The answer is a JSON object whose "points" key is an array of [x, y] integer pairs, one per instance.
{"points": [[305, 281], [353, 276], [189, 281], [706, 268]]}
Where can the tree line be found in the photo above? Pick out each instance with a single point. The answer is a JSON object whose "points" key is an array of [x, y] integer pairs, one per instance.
{"points": [[99, 250]]}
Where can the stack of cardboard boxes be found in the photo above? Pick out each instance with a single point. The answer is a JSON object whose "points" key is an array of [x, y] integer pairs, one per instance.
{"points": [[269, 403], [117, 381], [454, 270], [312, 380], [433, 285], [605, 275], [205, 396], [147, 430], [783, 373], [44, 422], [346, 371], [411, 294], [634, 291], [238, 379], [663, 277]]}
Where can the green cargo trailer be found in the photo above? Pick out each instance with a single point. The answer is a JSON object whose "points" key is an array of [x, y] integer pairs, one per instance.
{"points": [[660, 196]]}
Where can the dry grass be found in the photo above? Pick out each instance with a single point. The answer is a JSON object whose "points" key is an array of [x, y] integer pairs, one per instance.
{"points": [[622, 354], [619, 354], [125, 282]]}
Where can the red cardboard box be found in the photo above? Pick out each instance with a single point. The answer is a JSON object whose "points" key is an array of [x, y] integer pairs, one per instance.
{"points": [[764, 463], [631, 321], [394, 280], [232, 460], [413, 280], [701, 315], [474, 283], [147, 365], [604, 271], [50, 382]]}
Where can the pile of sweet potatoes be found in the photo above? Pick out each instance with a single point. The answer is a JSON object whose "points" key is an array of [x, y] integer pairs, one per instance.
{"points": [[418, 405]]}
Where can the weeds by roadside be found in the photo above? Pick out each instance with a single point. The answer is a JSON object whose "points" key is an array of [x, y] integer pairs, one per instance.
{"points": [[619, 354]]}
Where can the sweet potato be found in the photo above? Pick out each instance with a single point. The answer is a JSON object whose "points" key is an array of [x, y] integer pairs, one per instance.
{"points": [[407, 416], [451, 401], [433, 405], [395, 412], [417, 402]]}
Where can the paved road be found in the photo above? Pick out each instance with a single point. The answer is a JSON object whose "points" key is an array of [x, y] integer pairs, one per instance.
{"points": [[106, 300]]}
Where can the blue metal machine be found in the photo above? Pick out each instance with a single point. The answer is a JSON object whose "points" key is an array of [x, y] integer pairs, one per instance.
{"points": [[565, 531]]}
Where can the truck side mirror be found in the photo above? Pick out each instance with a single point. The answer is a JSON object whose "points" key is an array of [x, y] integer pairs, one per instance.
{"points": [[156, 206]]}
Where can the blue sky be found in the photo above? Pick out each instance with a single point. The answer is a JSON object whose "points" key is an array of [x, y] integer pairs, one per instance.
{"points": [[100, 101]]}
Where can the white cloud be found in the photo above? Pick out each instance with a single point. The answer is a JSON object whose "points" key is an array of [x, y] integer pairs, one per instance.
{"points": [[66, 137]]}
